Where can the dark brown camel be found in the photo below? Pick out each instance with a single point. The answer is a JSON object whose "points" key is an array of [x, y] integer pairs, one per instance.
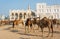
{"points": [[45, 22], [28, 24]]}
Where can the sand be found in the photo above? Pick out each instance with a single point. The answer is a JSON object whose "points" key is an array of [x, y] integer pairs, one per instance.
{"points": [[6, 32]]}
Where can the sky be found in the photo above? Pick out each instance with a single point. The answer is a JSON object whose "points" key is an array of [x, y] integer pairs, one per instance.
{"points": [[6, 5]]}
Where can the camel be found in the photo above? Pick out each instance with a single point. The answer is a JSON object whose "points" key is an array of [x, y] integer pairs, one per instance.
{"points": [[17, 22], [28, 24], [45, 22]]}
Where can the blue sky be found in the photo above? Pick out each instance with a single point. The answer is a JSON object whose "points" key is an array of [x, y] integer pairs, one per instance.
{"points": [[6, 5]]}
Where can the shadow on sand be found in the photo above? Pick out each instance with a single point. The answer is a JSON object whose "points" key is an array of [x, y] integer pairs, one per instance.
{"points": [[29, 34], [14, 30], [24, 38], [22, 33], [56, 32], [10, 30], [7, 28]]}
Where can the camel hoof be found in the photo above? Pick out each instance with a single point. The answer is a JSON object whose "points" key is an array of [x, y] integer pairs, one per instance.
{"points": [[51, 35], [47, 36]]}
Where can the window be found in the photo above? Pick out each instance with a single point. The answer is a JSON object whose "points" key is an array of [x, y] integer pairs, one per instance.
{"points": [[24, 15], [42, 6], [42, 10], [20, 15], [16, 16], [57, 10], [39, 6], [49, 10], [12, 14]]}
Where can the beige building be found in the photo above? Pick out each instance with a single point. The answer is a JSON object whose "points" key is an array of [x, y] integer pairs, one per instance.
{"points": [[20, 14]]}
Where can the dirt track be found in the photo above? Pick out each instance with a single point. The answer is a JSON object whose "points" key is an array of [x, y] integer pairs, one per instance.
{"points": [[6, 32]]}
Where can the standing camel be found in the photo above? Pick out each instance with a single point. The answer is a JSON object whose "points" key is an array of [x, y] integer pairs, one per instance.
{"points": [[45, 22], [28, 24]]}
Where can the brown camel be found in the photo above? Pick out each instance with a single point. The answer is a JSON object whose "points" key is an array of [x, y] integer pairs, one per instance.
{"points": [[45, 22]]}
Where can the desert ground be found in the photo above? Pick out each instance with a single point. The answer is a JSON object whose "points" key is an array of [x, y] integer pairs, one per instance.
{"points": [[7, 32]]}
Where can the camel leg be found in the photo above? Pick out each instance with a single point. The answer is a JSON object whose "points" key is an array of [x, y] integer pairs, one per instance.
{"points": [[38, 28], [32, 28], [49, 31], [28, 28], [13, 26], [22, 24], [57, 25], [42, 31], [17, 27], [25, 29], [52, 30]]}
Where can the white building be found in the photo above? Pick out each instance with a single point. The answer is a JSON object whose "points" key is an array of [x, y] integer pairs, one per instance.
{"points": [[2, 17], [20, 14], [48, 11]]}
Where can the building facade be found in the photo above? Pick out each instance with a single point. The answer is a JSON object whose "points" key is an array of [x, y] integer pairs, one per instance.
{"points": [[2, 17], [20, 14], [45, 10]]}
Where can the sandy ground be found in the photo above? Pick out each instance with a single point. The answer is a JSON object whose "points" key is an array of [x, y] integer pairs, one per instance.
{"points": [[6, 32]]}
